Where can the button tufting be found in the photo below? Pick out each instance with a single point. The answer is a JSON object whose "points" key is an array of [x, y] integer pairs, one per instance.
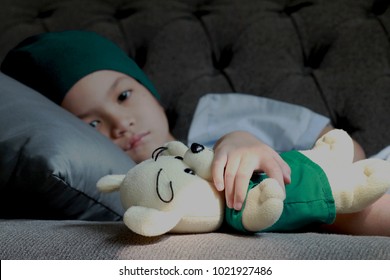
{"points": [[288, 10], [224, 59], [317, 55], [310, 52], [140, 56], [45, 14], [123, 13], [201, 13], [379, 7]]}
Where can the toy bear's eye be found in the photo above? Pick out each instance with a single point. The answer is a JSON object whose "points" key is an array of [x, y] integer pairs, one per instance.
{"points": [[179, 157], [189, 171]]}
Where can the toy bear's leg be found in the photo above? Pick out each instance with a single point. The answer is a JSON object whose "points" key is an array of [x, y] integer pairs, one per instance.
{"points": [[333, 148], [263, 206], [360, 185]]}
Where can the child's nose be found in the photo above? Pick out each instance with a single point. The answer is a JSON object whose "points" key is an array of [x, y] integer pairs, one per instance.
{"points": [[120, 126]]}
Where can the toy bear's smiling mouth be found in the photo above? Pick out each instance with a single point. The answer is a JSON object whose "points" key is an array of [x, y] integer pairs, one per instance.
{"points": [[158, 188]]}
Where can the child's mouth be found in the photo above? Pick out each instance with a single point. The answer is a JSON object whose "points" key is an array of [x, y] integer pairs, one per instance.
{"points": [[136, 140]]}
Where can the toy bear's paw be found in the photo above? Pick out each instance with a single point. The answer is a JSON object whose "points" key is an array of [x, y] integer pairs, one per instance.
{"points": [[110, 183], [333, 148], [264, 205], [367, 180]]}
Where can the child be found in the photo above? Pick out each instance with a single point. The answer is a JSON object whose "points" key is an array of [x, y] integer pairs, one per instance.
{"points": [[96, 81]]}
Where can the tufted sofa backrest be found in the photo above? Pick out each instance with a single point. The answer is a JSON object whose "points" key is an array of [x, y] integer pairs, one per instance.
{"points": [[331, 56]]}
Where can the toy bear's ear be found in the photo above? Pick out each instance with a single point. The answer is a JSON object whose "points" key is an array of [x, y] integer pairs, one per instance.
{"points": [[149, 221], [110, 183], [175, 148]]}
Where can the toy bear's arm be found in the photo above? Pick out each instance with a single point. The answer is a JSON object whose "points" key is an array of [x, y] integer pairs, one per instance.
{"points": [[110, 183], [308, 200], [266, 198], [324, 181]]}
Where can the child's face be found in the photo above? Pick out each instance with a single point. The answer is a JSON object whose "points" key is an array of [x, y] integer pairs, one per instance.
{"points": [[122, 109]]}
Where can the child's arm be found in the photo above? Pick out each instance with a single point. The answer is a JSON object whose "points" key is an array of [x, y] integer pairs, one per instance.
{"points": [[237, 156], [374, 220]]}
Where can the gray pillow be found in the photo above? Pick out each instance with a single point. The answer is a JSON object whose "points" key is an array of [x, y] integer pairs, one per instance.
{"points": [[50, 161]]}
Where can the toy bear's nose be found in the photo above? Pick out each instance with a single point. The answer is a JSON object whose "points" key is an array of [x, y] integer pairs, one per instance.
{"points": [[196, 148]]}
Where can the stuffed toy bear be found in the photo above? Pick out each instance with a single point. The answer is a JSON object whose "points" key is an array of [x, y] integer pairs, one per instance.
{"points": [[173, 191]]}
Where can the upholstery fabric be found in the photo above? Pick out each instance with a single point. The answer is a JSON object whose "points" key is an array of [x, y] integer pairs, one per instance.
{"points": [[331, 56], [79, 240]]}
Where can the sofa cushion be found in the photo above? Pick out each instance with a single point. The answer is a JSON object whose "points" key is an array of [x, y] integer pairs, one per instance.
{"points": [[50, 161], [116, 241], [329, 56]]}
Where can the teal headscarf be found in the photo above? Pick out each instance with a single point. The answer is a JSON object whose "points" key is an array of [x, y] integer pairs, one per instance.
{"points": [[51, 63]]}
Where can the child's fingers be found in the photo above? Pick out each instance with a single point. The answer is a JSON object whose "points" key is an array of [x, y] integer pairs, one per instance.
{"points": [[286, 170], [241, 182], [274, 170], [218, 170], [231, 169]]}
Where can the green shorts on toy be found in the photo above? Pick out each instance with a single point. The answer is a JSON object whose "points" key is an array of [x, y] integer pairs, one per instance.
{"points": [[173, 191]]}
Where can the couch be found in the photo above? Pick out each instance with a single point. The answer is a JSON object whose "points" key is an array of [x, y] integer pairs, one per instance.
{"points": [[331, 56]]}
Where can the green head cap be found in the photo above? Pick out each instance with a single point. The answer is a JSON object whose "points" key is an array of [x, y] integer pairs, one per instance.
{"points": [[51, 63]]}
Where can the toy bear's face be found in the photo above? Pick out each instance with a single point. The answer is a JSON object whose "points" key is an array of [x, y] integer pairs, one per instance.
{"points": [[165, 183], [172, 191]]}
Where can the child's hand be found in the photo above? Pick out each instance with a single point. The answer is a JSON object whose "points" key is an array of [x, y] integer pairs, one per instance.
{"points": [[237, 156]]}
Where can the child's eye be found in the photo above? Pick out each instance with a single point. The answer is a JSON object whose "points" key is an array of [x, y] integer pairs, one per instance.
{"points": [[94, 124], [124, 95]]}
